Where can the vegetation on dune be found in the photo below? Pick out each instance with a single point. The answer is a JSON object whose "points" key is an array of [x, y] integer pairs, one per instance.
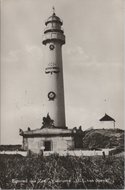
{"points": [[61, 172], [103, 138]]}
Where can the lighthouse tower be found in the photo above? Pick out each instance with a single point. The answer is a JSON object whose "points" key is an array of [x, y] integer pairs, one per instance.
{"points": [[53, 39], [53, 135]]}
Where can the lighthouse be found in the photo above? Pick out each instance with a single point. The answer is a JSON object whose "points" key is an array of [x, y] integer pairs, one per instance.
{"points": [[53, 39], [53, 135]]}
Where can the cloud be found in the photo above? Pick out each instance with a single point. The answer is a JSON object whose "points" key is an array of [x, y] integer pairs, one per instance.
{"points": [[28, 52], [75, 50], [34, 50], [76, 54], [12, 56]]}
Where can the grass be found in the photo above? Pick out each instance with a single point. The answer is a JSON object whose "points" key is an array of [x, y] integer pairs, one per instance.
{"points": [[58, 172]]}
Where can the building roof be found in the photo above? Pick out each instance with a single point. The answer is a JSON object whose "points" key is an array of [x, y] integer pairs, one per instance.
{"points": [[107, 118], [46, 132]]}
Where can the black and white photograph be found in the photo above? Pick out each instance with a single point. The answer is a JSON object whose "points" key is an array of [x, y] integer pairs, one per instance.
{"points": [[62, 94]]}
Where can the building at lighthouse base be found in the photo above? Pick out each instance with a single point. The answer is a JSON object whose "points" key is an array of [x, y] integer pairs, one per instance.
{"points": [[51, 138], [48, 139]]}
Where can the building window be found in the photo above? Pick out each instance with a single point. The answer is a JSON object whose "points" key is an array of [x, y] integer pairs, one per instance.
{"points": [[47, 145]]}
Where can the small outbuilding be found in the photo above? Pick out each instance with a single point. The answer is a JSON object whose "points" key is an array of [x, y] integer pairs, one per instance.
{"points": [[107, 122]]}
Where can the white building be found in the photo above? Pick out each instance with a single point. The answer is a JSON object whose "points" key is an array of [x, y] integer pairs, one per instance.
{"points": [[107, 122]]}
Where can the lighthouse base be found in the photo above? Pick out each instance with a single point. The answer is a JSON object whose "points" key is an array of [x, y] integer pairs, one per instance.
{"points": [[48, 139]]}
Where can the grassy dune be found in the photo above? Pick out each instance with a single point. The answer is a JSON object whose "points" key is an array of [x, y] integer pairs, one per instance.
{"points": [[103, 138]]}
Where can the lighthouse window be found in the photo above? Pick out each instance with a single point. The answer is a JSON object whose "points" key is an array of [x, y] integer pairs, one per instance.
{"points": [[51, 95], [51, 47]]}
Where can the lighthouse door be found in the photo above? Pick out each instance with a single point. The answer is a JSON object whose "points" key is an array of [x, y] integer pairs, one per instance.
{"points": [[47, 145]]}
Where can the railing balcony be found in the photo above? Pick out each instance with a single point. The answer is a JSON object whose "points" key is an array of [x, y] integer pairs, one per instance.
{"points": [[53, 28], [54, 36]]}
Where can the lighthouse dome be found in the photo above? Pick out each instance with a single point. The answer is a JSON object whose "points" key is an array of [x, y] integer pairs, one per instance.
{"points": [[54, 18]]}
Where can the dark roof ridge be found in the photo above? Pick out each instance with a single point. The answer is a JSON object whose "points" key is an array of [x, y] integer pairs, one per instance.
{"points": [[106, 117]]}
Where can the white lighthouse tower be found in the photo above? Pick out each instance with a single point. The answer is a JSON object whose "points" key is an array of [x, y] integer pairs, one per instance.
{"points": [[53, 39], [53, 135]]}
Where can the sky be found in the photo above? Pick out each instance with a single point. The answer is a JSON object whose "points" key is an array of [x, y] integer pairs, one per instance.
{"points": [[92, 62]]}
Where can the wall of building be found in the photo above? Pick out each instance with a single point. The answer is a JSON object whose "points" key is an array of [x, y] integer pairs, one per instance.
{"points": [[57, 143], [104, 125], [107, 124]]}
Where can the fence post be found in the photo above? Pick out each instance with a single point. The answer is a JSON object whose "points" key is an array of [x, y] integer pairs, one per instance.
{"points": [[103, 154]]}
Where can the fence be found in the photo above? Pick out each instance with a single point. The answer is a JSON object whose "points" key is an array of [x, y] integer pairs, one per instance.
{"points": [[23, 153], [79, 152], [65, 153]]}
